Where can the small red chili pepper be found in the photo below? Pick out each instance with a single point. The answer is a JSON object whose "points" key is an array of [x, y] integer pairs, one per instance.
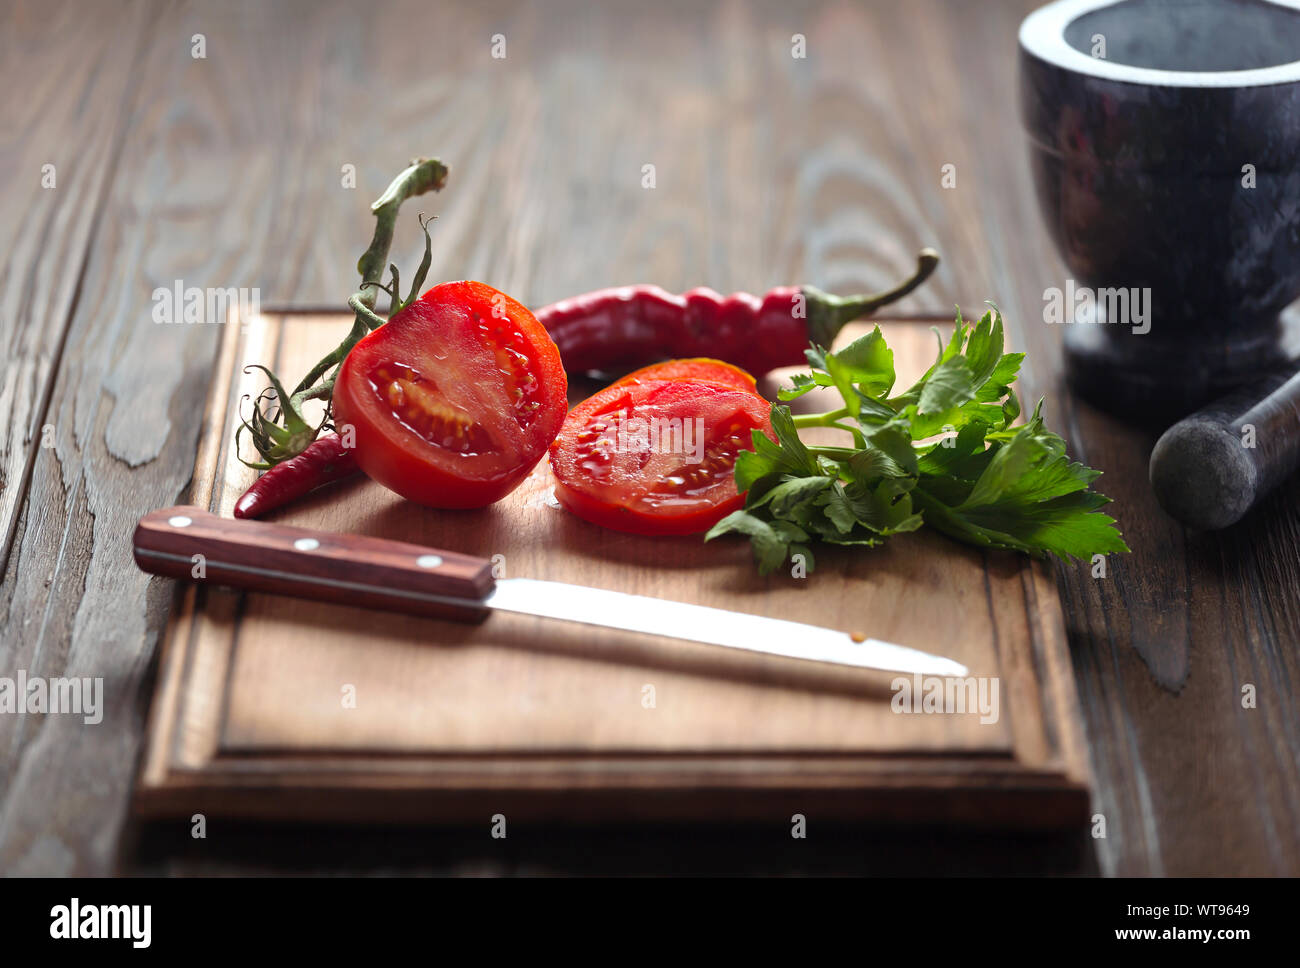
{"points": [[633, 325], [325, 460]]}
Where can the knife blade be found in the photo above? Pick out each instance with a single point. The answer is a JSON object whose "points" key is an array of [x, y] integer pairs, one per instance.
{"points": [[192, 544]]}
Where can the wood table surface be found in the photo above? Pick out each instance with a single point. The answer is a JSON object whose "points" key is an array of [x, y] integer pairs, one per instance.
{"points": [[229, 170]]}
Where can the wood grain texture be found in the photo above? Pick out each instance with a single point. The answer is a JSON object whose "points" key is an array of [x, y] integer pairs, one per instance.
{"points": [[548, 720], [59, 144], [192, 198], [1189, 781], [769, 170]]}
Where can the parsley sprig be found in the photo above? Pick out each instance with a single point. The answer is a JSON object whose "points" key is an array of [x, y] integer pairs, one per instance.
{"points": [[944, 453]]}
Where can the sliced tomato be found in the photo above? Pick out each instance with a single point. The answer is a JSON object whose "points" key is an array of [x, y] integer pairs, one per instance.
{"points": [[700, 368], [455, 399], [656, 456]]}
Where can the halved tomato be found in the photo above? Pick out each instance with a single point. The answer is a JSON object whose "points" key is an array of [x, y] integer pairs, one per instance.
{"points": [[454, 399], [656, 457], [699, 368]]}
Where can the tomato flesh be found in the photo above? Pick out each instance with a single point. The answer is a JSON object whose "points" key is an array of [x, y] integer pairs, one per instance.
{"points": [[699, 369], [455, 399], [656, 457], [421, 409]]}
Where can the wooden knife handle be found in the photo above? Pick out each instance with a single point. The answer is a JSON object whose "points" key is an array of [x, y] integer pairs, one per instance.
{"points": [[351, 569]]}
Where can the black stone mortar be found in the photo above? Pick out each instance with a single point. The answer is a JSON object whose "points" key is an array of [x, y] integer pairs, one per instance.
{"points": [[1138, 161]]}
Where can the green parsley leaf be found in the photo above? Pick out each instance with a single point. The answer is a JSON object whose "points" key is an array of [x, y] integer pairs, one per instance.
{"points": [[943, 453]]}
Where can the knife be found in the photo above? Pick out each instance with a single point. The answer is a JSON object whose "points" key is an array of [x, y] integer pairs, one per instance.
{"points": [[352, 569]]}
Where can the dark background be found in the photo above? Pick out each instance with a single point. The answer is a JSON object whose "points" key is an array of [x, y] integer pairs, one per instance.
{"points": [[226, 171]]}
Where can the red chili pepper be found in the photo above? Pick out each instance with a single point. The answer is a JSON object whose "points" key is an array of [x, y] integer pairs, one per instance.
{"points": [[634, 325], [325, 460]]}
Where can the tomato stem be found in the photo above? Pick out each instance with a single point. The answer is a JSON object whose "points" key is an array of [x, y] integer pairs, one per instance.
{"points": [[287, 434], [321, 391], [421, 176]]}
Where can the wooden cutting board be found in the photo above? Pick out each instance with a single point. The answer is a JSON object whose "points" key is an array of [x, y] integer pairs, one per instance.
{"points": [[277, 708]]}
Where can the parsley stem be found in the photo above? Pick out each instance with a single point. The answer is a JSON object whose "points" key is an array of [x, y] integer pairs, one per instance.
{"points": [[820, 419], [831, 419], [832, 452]]}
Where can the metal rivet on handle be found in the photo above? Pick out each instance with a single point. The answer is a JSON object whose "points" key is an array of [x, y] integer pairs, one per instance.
{"points": [[306, 544], [428, 561], [180, 521]]}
